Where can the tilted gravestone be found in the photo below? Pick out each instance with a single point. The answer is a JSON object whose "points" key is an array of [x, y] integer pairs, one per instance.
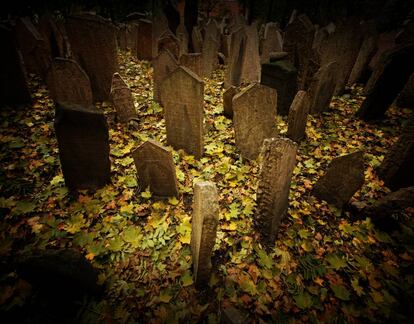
{"points": [[122, 99], [281, 75], [68, 82], [93, 42], [168, 41], [272, 41], [228, 101], [164, 64], [53, 36], [144, 40], [321, 88], [13, 85], [251, 60], [203, 230], [279, 159], [83, 140], [254, 118], [298, 114], [344, 177], [235, 61], [182, 95], [193, 61], [156, 170], [210, 50]]}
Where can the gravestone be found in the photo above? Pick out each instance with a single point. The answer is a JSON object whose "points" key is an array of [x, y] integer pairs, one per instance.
{"points": [[197, 39], [54, 38], [132, 32], [321, 88], [228, 101], [193, 61], [281, 75], [93, 42], [83, 140], [298, 114], [272, 41], [210, 60], [251, 60], [13, 85], [155, 167], [225, 41], [121, 37], [182, 95], [67, 82], [122, 99], [211, 29], [279, 159], [159, 26], [277, 56], [254, 118], [344, 177], [144, 40], [204, 230], [182, 36], [406, 97], [168, 41], [164, 64], [235, 61]]}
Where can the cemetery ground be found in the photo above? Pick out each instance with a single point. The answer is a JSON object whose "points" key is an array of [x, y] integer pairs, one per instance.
{"points": [[326, 265]]}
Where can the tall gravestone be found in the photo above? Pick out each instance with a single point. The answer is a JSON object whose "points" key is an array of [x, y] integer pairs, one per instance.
{"points": [[144, 40], [251, 60], [155, 167], [193, 61], [298, 115], [235, 61], [164, 64], [321, 88], [197, 39], [168, 41], [203, 230], [83, 140], [228, 101], [279, 159], [182, 95], [121, 37], [122, 99], [132, 32], [93, 42], [272, 41], [159, 26], [210, 50], [254, 118], [53, 36], [68, 82]]}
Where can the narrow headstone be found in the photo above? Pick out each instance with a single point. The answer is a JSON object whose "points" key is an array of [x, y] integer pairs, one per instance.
{"points": [[366, 52], [279, 159], [164, 64], [122, 99], [54, 38], [144, 40], [193, 61], [122, 37], [182, 36], [155, 167], [93, 41], [159, 26], [203, 230], [168, 41], [68, 82], [272, 41], [210, 50], [182, 95], [344, 177], [235, 61], [254, 118], [83, 140], [197, 39], [298, 114], [251, 60], [132, 32], [228, 101], [225, 41], [321, 88]]}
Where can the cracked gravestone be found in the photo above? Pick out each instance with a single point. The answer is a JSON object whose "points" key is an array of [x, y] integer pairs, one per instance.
{"points": [[122, 99]]}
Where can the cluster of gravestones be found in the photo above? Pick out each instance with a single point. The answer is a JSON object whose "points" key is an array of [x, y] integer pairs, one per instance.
{"points": [[292, 73]]}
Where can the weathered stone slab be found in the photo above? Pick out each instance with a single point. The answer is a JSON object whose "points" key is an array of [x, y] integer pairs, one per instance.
{"points": [[193, 61], [197, 39], [93, 42], [183, 37], [254, 116], [68, 82], [122, 99], [155, 167], [251, 60], [54, 38], [182, 95], [344, 177], [203, 230], [279, 159], [144, 41], [121, 37], [321, 88], [237, 52], [159, 26], [210, 60], [132, 32], [83, 140], [168, 41], [228, 101], [281, 75], [272, 41], [164, 64], [298, 115]]}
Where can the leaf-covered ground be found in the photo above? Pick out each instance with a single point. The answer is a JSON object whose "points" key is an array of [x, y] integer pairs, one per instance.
{"points": [[323, 266]]}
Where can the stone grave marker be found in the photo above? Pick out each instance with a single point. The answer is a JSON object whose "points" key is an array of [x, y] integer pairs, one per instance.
{"points": [[203, 230], [93, 42], [298, 115], [279, 159], [53, 36], [144, 40], [122, 99], [159, 26], [182, 36], [272, 41], [69, 83], [235, 61], [228, 101], [254, 118], [83, 140], [170, 42], [155, 167], [321, 88], [197, 39], [164, 64], [193, 61], [132, 32], [182, 95], [344, 177], [251, 60], [210, 60], [121, 37]]}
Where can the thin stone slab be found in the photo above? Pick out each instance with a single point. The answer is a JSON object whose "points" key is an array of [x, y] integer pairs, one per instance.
{"points": [[193, 61], [279, 159], [197, 39], [156, 170], [182, 95], [93, 41], [228, 101], [251, 60], [321, 88], [298, 115], [132, 32], [168, 41], [121, 37], [272, 41], [183, 38], [204, 230], [344, 177], [122, 99], [237, 53], [83, 140], [68, 82], [53, 36], [210, 59], [164, 64], [159, 26], [144, 40], [254, 118]]}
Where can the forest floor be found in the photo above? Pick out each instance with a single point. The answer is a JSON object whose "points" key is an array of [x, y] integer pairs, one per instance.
{"points": [[325, 265]]}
